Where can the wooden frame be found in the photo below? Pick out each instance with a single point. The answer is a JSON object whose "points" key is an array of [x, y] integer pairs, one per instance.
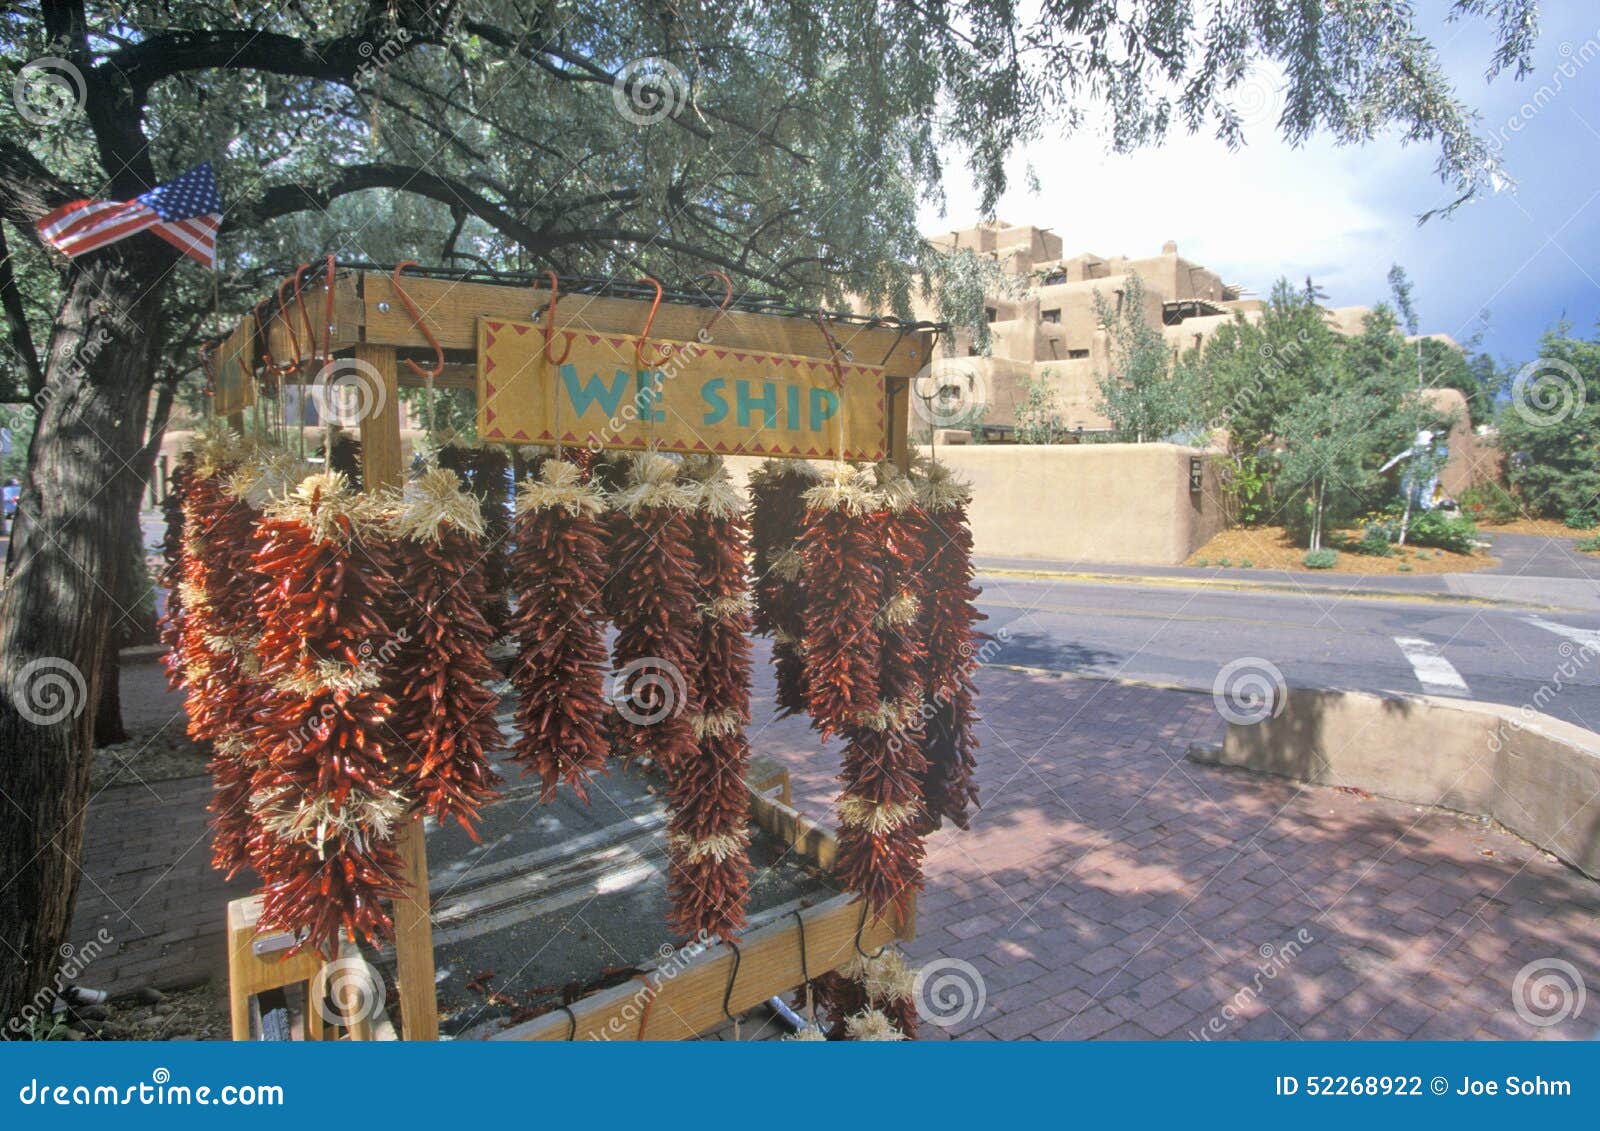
{"points": [[373, 325], [687, 1000]]}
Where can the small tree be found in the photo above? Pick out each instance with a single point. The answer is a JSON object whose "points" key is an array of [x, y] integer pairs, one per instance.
{"points": [[1038, 421], [1144, 395], [1550, 426]]}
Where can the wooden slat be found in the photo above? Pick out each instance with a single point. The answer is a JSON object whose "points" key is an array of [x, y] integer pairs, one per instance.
{"points": [[452, 311], [795, 829], [685, 1001], [348, 314]]}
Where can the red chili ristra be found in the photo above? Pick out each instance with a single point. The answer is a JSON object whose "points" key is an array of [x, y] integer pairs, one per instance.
{"points": [[559, 675], [949, 612], [326, 803], [708, 830], [444, 717], [778, 512]]}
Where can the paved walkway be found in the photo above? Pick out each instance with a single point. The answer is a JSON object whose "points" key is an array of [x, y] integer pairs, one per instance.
{"points": [[1108, 889]]}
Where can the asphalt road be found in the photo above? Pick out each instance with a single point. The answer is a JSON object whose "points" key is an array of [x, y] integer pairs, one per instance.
{"points": [[1186, 637]]}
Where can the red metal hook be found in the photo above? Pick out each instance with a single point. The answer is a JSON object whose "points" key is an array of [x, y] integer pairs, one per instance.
{"points": [[644, 335], [293, 364], [421, 325], [833, 349], [727, 299], [266, 336], [305, 316], [550, 323]]}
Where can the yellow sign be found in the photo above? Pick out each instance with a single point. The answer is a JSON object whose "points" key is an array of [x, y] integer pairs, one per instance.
{"points": [[232, 371], [688, 397]]}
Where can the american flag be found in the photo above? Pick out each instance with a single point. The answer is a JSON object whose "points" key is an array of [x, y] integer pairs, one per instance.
{"points": [[185, 212]]}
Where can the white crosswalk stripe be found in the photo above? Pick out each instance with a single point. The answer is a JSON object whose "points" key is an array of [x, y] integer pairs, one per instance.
{"points": [[1437, 675], [1587, 638]]}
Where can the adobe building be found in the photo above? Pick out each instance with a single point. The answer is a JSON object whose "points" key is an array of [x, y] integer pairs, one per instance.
{"points": [[1053, 333]]}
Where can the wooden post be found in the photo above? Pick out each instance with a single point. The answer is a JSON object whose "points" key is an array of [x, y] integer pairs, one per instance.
{"points": [[381, 466]]}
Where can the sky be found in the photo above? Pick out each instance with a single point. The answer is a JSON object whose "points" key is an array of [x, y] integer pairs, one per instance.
{"points": [[1529, 255]]}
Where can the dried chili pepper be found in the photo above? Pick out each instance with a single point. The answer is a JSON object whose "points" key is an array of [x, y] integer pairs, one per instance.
{"points": [[559, 674], [948, 614], [777, 503], [653, 610], [325, 803], [861, 666], [708, 829], [444, 715]]}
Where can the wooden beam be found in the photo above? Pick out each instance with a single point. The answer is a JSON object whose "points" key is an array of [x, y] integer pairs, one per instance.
{"points": [[381, 467], [452, 309]]}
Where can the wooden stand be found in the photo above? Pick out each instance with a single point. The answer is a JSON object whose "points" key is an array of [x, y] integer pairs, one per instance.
{"points": [[251, 972], [371, 323]]}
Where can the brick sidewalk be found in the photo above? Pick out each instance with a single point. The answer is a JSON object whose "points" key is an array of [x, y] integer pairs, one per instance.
{"points": [[1107, 889]]}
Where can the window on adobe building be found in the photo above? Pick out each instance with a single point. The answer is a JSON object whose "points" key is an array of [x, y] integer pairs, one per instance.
{"points": [[1050, 316], [1077, 355], [1055, 277], [990, 314]]}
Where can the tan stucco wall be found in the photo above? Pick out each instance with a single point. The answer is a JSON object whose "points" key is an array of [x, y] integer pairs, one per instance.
{"points": [[1121, 503], [1536, 775]]}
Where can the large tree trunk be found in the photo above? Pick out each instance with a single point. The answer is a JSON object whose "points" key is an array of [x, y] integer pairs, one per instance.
{"points": [[65, 552]]}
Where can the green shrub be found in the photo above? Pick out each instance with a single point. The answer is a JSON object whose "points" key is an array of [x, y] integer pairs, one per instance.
{"points": [[1202, 562], [1224, 563], [1423, 555], [1432, 528], [1246, 563], [1589, 545], [1321, 559], [1581, 520], [1403, 567], [1375, 542], [1489, 502]]}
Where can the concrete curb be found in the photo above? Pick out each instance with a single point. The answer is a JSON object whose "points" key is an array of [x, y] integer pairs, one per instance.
{"points": [[1231, 585]]}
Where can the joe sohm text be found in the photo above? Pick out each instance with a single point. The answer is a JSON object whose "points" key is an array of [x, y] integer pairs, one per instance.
{"points": [[1509, 1087]]}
